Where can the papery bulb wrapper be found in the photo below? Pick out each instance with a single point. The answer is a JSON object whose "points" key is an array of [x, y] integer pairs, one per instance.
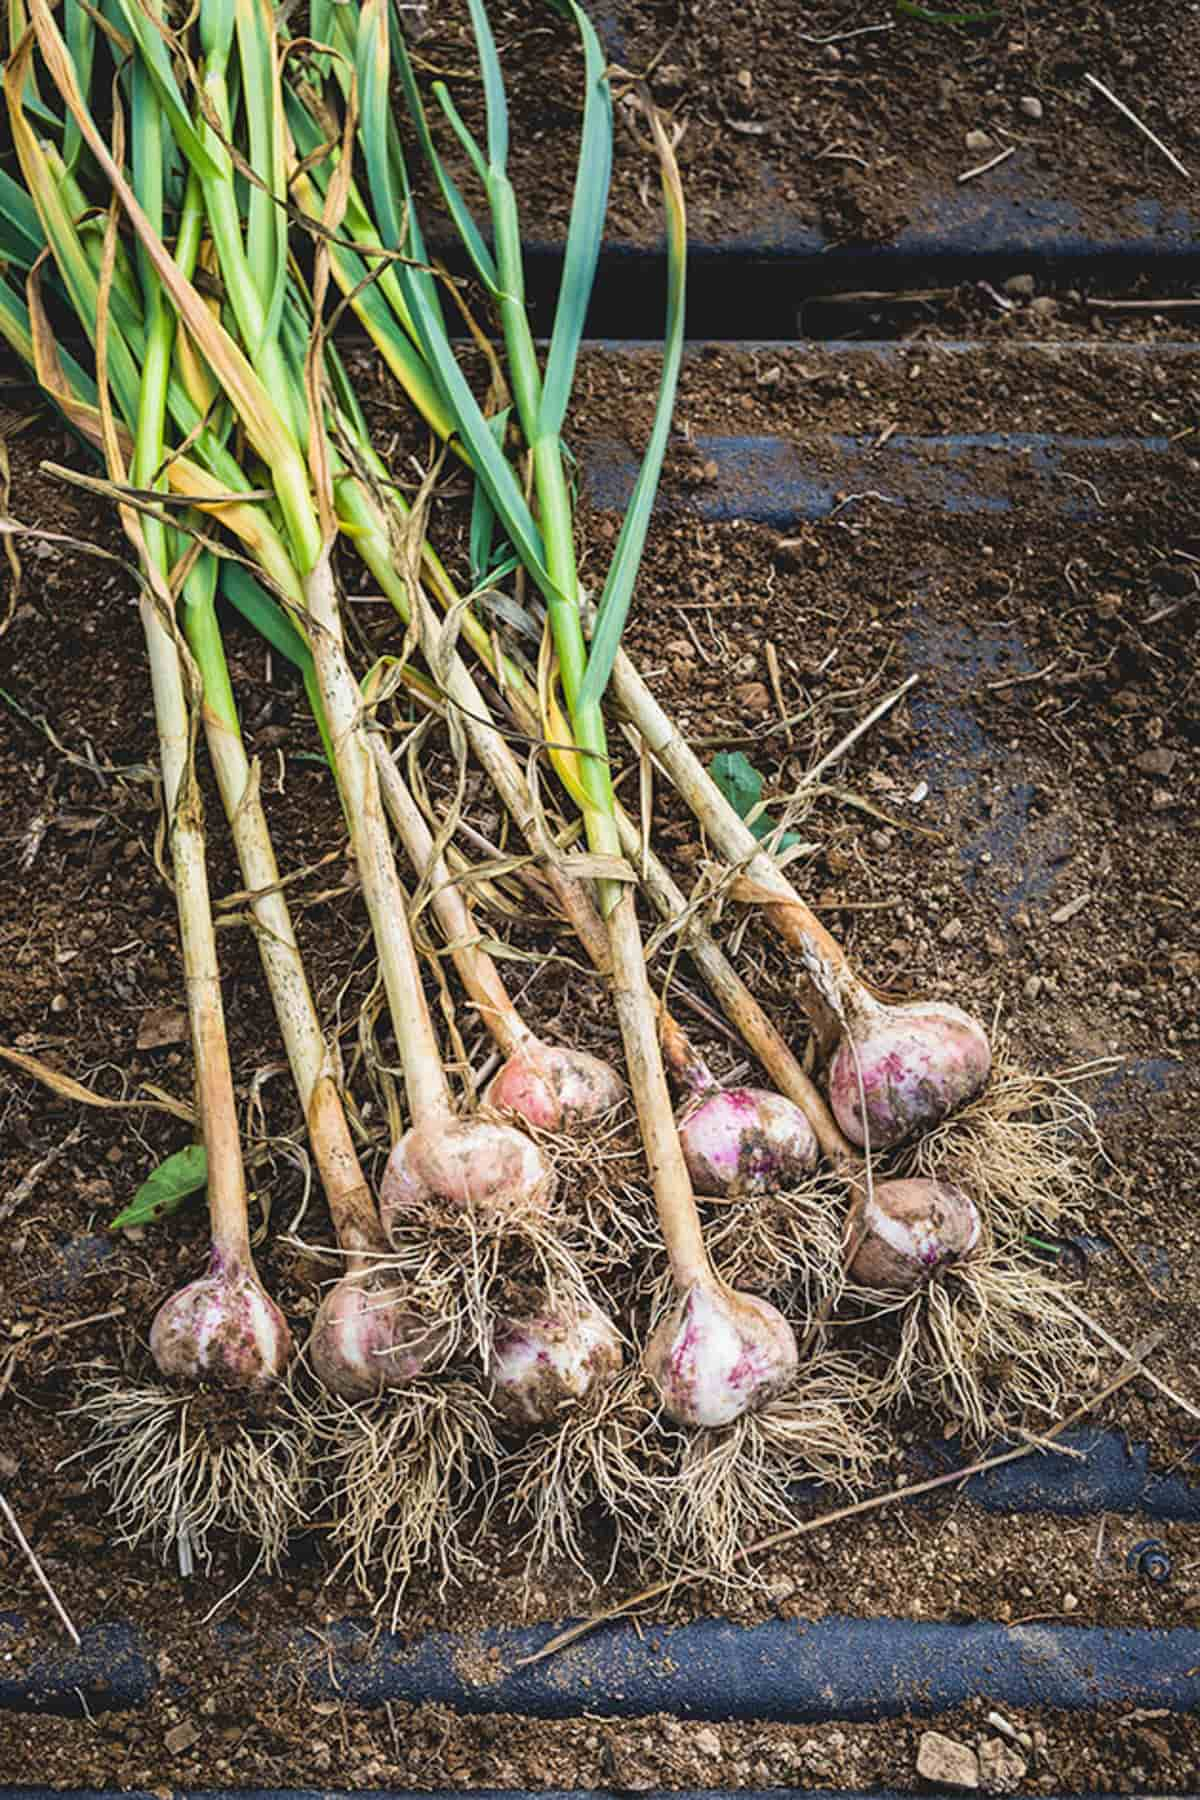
{"points": [[745, 1141], [366, 1341], [543, 1363], [554, 1088], [223, 1328], [912, 1230], [718, 1354], [918, 1063], [466, 1166]]}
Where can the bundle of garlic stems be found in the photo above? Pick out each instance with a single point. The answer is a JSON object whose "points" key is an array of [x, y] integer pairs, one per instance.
{"points": [[169, 1478], [897, 1071], [306, 553]]}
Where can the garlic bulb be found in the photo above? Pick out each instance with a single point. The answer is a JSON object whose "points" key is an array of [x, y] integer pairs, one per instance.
{"points": [[465, 1165], [366, 1341], [554, 1088], [547, 1361], [719, 1353], [912, 1230], [917, 1064], [223, 1327], [745, 1141]]}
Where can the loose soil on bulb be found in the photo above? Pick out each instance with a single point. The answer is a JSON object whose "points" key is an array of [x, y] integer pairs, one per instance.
{"points": [[1055, 664]]}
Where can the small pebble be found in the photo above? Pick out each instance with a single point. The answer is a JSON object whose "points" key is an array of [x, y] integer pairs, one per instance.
{"points": [[947, 1763], [977, 141], [59, 1004], [1033, 986], [1031, 106], [1019, 287], [1070, 1602], [753, 697], [951, 930]]}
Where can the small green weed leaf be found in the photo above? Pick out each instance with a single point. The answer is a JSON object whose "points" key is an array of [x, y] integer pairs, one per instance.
{"points": [[742, 786], [166, 1188]]}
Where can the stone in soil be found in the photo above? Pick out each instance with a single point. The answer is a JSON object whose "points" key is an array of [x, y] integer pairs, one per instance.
{"points": [[946, 1763]]}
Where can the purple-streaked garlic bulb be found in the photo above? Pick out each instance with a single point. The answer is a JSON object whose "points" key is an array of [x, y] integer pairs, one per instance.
{"points": [[464, 1166], [549, 1360], [554, 1088], [744, 1140], [720, 1353], [736, 1140], [913, 1229], [366, 1341], [223, 1328], [918, 1063]]}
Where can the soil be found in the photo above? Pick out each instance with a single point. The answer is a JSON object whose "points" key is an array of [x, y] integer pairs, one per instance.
{"points": [[822, 120]]}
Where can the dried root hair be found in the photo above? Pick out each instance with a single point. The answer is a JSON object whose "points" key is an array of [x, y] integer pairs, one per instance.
{"points": [[1024, 1149], [601, 1460], [786, 1246], [409, 1482], [178, 1479], [733, 1485], [462, 1271], [603, 1204], [990, 1342]]}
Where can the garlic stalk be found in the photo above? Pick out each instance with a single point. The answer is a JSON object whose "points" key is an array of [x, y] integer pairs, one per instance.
{"points": [[917, 1063], [548, 1085]]}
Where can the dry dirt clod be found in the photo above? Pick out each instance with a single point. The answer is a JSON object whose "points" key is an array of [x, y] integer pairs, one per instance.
{"points": [[945, 1763], [162, 1025], [753, 697], [1001, 1768], [181, 1737]]}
